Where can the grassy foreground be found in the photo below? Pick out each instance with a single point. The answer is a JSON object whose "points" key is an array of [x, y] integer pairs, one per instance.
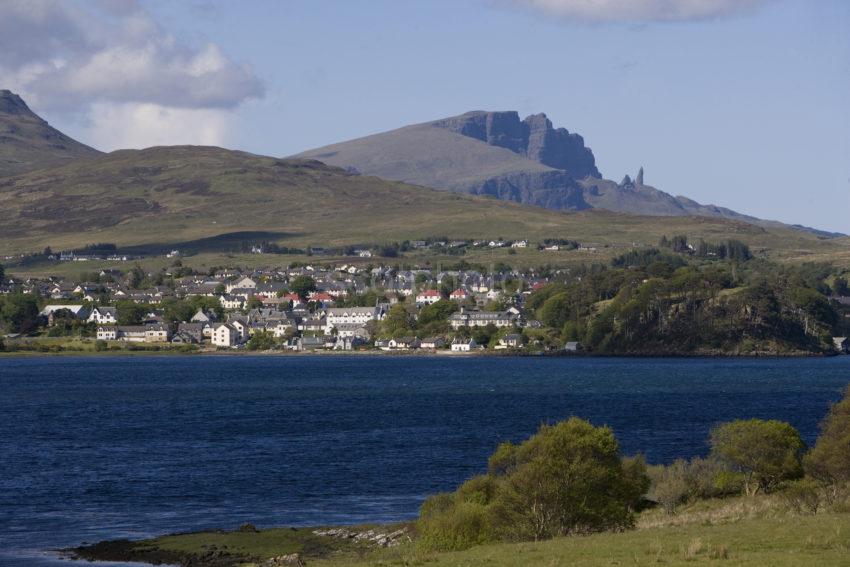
{"points": [[735, 531]]}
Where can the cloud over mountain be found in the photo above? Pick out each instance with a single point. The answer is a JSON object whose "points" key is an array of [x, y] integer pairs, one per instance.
{"points": [[114, 57], [642, 10]]}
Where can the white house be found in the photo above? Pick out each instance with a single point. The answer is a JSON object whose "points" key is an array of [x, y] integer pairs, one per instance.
{"points": [[465, 318], [432, 343], [460, 345], [509, 341], [404, 343], [242, 327], [225, 335], [243, 283], [232, 302], [519, 244], [359, 315], [109, 333], [103, 316]]}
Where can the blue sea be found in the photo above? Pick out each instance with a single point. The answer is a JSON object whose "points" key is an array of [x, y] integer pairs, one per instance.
{"points": [[109, 447]]}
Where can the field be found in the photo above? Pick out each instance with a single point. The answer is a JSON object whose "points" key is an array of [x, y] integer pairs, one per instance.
{"points": [[734, 531]]}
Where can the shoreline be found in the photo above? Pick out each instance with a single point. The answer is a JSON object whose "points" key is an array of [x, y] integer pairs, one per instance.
{"points": [[512, 353], [307, 543]]}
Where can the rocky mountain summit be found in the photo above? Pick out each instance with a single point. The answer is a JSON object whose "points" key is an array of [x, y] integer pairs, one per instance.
{"points": [[28, 142], [534, 137]]}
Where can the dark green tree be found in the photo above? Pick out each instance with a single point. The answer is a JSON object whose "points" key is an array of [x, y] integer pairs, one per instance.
{"points": [[303, 286], [130, 312], [829, 459], [767, 452]]}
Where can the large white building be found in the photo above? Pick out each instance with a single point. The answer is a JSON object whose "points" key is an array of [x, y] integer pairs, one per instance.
{"points": [[353, 315], [465, 318]]}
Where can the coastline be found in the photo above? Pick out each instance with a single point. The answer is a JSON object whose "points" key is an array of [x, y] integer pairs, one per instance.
{"points": [[513, 353]]}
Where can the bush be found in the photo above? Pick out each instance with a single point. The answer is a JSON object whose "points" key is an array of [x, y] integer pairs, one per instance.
{"points": [[803, 496], [459, 525], [670, 486], [566, 479], [766, 452], [100, 345], [829, 460]]}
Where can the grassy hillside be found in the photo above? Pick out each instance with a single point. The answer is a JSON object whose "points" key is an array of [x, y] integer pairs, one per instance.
{"points": [[424, 154], [27, 142], [172, 195]]}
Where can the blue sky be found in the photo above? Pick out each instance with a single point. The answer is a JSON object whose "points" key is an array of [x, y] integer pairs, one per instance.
{"points": [[745, 108]]}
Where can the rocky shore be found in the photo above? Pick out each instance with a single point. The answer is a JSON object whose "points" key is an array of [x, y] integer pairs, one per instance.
{"points": [[274, 547]]}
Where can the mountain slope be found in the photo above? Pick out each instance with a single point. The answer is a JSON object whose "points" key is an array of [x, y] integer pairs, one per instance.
{"points": [[174, 194], [497, 154], [27, 142]]}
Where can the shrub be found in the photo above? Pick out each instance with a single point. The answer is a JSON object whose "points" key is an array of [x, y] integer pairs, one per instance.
{"points": [[100, 345], [447, 523], [766, 452], [670, 486], [568, 478], [803, 496], [829, 459]]}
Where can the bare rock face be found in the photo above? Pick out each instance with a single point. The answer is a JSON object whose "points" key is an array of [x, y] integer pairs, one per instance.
{"points": [[534, 137], [549, 189], [559, 148], [12, 104]]}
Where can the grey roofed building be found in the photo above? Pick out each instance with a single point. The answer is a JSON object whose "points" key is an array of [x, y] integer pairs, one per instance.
{"points": [[465, 318]]}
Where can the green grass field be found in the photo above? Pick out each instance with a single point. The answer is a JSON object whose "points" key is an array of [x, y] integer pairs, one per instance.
{"points": [[733, 531]]}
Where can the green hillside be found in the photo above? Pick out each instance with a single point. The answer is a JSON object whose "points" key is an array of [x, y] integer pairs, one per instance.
{"points": [[173, 195]]}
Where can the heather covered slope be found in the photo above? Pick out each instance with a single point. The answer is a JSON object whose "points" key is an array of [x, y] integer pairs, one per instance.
{"points": [[27, 142], [175, 194], [172, 195]]}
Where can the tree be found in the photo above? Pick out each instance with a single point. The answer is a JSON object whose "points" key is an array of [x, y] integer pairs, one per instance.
{"points": [[135, 277], [20, 312], [177, 310], [767, 452], [438, 311], [398, 321], [302, 286], [2, 273], [130, 312], [254, 303], [829, 459], [262, 340], [568, 478]]}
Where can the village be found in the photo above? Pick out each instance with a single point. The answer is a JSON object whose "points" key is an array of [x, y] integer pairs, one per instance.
{"points": [[347, 307]]}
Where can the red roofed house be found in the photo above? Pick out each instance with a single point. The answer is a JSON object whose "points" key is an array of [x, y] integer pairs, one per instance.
{"points": [[459, 295], [428, 297]]}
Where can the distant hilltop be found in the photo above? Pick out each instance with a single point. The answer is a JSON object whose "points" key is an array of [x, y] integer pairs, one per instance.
{"points": [[28, 142], [527, 161]]}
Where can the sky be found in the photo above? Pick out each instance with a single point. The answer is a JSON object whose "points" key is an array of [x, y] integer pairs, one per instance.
{"points": [[739, 103]]}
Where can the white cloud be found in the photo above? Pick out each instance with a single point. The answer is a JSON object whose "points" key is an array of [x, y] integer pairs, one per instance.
{"points": [[135, 125], [642, 10], [85, 57]]}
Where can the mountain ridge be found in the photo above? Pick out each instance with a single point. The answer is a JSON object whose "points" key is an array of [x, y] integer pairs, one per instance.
{"points": [[528, 161], [28, 142]]}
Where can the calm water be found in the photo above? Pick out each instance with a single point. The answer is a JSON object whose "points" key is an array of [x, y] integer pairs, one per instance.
{"points": [[94, 448]]}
